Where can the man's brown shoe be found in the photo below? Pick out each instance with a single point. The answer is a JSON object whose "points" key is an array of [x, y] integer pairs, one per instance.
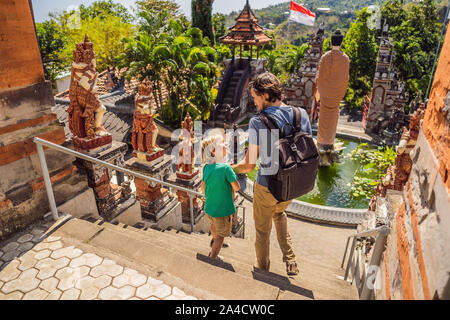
{"points": [[291, 268]]}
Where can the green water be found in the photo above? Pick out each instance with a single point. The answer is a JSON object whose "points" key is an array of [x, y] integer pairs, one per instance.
{"points": [[331, 187]]}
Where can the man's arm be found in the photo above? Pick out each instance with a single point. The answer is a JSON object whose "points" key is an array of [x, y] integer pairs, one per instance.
{"points": [[249, 163]]}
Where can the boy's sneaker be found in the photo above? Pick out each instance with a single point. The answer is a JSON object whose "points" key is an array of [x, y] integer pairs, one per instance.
{"points": [[224, 245], [292, 268]]}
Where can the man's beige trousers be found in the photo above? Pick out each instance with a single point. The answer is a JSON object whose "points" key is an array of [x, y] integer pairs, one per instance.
{"points": [[265, 209]]}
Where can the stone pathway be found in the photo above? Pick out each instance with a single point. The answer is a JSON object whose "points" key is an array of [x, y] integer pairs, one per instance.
{"points": [[316, 242], [36, 268]]}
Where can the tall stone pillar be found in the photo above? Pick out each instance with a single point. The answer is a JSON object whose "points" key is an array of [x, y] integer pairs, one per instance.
{"points": [[25, 112]]}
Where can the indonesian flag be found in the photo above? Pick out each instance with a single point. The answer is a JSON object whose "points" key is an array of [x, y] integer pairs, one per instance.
{"points": [[301, 15]]}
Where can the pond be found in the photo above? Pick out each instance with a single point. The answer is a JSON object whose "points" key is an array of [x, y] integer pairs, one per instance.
{"points": [[333, 184]]}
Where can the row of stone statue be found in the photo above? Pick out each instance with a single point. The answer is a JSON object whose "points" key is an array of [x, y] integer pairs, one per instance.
{"points": [[90, 137], [86, 110]]}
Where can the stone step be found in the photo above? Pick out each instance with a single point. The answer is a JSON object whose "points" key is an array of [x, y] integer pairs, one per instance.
{"points": [[185, 266], [243, 246], [243, 261]]}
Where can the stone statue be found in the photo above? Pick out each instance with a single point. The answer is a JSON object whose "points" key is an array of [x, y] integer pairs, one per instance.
{"points": [[186, 153], [332, 82], [397, 175], [85, 109], [145, 130]]}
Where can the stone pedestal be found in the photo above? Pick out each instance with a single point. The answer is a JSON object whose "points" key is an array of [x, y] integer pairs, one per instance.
{"points": [[111, 198], [156, 201], [192, 182], [94, 146]]}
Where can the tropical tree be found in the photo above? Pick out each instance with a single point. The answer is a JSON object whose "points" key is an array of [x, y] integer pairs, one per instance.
{"points": [[52, 42], [361, 47], [105, 7], [168, 51], [415, 30], [157, 6], [219, 26], [284, 60], [138, 54], [202, 17], [105, 31]]}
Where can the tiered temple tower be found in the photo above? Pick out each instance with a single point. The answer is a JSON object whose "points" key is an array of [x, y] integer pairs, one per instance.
{"points": [[301, 87], [385, 117], [233, 99]]}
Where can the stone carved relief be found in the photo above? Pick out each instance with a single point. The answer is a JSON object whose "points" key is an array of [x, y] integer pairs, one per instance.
{"points": [[85, 109], [397, 175]]}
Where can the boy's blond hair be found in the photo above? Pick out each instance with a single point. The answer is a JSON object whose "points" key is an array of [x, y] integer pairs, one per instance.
{"points": [[209, 148]]}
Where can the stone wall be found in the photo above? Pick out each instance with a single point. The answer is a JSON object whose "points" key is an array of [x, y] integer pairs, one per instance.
{"points": [[25, 112], [416, 263], [20, 62]]}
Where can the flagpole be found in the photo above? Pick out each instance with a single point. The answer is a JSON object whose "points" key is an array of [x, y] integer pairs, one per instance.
{"points": [[288, 31]]}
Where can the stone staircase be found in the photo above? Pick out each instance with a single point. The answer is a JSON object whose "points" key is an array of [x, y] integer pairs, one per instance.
{"points": [[232, 86], [183, 256], [221, 115]]}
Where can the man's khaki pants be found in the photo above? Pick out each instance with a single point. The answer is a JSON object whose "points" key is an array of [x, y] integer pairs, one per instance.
{"points": [[266, 208]]}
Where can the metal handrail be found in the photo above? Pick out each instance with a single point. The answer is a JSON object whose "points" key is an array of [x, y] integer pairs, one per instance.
{"points": [[381, 234], [48, 185]]}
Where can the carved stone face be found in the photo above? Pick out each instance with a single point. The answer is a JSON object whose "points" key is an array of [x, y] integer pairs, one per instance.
{"points": [[89, 56], [145, 88], [78, 54]]}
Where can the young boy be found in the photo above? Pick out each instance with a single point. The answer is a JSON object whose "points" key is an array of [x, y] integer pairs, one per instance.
{"points": [[219, 185]]}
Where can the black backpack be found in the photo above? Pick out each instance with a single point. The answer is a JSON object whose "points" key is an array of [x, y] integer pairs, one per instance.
{"points": [[298, 160]]}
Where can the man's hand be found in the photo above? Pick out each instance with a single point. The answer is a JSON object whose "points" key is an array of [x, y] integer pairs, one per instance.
{"points": [[249, 162]]}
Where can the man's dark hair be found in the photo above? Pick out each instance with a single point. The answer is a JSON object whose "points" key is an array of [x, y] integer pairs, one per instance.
{"points": [[267, 83]]}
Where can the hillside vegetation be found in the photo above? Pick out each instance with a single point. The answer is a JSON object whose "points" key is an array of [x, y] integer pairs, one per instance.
{"points": [[274, 18]]}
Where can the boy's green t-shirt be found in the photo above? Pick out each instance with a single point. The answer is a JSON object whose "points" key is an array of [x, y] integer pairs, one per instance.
{"points": [[218, 192]]}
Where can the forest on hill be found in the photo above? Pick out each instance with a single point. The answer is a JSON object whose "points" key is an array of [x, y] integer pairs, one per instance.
{"points": [[341, 13], [274, 18]]}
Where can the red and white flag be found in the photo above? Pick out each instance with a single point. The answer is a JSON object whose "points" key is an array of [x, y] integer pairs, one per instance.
{"points": [[301, 15]]}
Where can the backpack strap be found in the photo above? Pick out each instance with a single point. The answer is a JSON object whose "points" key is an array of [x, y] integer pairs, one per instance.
{"points": [[268, 121], [297, 121]]}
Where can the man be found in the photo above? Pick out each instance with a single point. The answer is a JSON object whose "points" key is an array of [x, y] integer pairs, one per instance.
{"points": [[266, 92], [332, 82]]}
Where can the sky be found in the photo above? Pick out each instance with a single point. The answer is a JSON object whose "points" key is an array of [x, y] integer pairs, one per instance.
{"points": [[41, 8]]}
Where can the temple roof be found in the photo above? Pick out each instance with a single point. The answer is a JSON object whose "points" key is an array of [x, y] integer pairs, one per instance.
{"points": [[246, 30]]}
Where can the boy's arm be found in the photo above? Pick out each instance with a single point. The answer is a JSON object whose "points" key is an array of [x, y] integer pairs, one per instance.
{"points": [[202, 186], [235, 186]]}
